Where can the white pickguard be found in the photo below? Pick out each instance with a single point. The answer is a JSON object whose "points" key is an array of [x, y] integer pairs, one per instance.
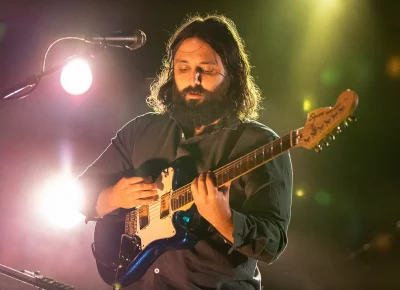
{"points": [[158, 228]]}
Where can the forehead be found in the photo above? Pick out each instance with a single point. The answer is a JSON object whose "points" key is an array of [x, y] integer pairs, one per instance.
{"points": [[196, 50]]}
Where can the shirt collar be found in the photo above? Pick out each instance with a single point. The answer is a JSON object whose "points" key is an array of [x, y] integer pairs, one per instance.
{"points": [[227, 122]]}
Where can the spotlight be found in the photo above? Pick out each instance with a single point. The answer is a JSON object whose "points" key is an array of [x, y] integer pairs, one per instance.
{"points": [[76, 77], [60, 200]]}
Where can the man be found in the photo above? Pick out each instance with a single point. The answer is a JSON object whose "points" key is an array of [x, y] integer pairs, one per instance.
{"points": [[203, 100]]}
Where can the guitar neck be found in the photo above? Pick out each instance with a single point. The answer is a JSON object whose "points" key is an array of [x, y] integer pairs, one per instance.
{"points": [[240, 166]]}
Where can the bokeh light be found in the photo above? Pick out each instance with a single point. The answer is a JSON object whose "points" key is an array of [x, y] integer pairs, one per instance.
{"points": [[323, 198], [393, 66], [384, 242], [60, 200], [306, 105], [300, 193], [331, 77], [76, 77]]}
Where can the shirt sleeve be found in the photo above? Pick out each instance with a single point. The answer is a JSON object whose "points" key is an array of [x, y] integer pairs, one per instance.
{"points": [[261, 224], [113, 164]]}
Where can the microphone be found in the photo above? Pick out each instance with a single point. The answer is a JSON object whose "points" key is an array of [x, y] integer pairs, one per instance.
{"points": [[131, 41]]}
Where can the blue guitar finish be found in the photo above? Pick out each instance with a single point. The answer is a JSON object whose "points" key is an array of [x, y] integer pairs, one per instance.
{"points": [[182, 240], [119, 259]]}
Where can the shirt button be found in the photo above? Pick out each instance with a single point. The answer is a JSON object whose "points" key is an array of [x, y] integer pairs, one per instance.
{"points": [[156, 270]]}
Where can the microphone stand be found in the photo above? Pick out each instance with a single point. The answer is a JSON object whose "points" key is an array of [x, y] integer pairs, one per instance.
{"points": [[34, 279], [27, 86]]}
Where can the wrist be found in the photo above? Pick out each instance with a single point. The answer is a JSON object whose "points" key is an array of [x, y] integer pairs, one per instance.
{"points": [[111, 198]]}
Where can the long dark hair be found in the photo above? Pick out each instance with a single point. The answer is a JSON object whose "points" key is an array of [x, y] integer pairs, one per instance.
{"points": [[221, 34]]}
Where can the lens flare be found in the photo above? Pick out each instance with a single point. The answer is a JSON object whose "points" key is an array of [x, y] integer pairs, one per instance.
{"points": [[60, 200], [76, 77]]}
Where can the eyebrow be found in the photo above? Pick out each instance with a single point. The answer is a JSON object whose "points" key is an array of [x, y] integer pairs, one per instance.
{"points": [[203, 62]]}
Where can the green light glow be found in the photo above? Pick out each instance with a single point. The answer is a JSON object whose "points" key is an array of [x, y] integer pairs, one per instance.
{"points": [[323, 198], [331, 76]]}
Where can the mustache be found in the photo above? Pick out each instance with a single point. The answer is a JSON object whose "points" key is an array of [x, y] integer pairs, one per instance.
{"points": [[198, 89]]}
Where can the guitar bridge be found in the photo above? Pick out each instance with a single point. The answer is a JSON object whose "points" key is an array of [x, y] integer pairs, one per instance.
{"points": [[130, 223]]}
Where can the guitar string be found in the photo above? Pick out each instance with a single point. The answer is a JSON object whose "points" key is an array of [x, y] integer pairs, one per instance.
{"points": [[233, 164]]}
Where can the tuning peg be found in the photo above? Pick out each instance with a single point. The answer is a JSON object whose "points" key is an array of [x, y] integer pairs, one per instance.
{"points": [[325, 143], [351, 118], [345, 124], [339, 130], [318, 148], [331, 137]]}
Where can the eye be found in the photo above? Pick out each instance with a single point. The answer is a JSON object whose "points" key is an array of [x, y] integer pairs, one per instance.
{"points": [[183, 69], [207, 70]]}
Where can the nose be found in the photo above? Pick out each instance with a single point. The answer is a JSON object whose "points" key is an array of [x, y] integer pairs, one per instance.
{"points": [[196, 78]]}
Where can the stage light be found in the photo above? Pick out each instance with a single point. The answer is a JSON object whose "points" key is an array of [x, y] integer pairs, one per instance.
{"points": [[306, 105], [60, 200], [300, 193], [76, 77]]}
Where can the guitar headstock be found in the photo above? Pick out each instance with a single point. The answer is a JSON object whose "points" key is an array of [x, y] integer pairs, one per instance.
{"points": [[325, 122]]}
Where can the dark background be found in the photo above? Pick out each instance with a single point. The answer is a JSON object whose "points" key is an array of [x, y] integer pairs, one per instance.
{"points": [[298, 48]]}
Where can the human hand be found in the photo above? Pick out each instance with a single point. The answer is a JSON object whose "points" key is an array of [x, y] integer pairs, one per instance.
{"points": [[212, 203], [131, 192]]}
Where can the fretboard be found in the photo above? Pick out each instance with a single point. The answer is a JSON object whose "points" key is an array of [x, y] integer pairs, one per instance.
{"points": [[240, 166]]}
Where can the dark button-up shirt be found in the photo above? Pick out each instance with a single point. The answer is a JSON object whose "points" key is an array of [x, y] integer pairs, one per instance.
{"points": [[260, 200]]}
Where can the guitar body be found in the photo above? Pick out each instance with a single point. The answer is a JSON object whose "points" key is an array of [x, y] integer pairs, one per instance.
{"points": [[126, 246]]}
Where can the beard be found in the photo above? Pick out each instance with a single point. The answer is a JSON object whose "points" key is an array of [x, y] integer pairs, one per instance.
{"points": [[196, 113]]}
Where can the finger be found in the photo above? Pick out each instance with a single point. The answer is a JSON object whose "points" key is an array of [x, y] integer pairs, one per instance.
{"points": [[143, 194], [210, 184], [193, 188], [144, 201], [140, 187], [202, 187]]}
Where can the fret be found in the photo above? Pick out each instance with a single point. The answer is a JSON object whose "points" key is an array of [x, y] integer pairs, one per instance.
{"points": [[275, 149], [190, 195], [225, 178], [231, 173], [258, 157], [291, 139], [263, 155]]}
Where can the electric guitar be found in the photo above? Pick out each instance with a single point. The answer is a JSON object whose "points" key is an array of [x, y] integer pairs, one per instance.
{"points": [[125, 247]]}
